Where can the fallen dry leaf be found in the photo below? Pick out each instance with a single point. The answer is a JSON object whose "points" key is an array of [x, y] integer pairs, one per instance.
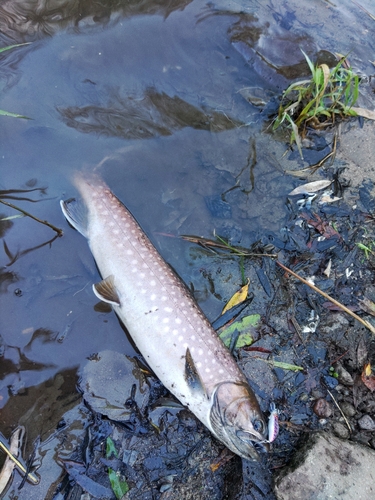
{"points": [[366, 113], [368, 378], [311, 187], [7, 470], [367, 305], [237, 298]]}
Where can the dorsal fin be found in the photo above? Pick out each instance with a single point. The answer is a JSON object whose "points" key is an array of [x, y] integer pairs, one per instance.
{"points": [[106, 291], [191, 374]]}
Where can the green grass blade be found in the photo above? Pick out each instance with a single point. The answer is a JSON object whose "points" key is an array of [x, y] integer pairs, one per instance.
{"points": [[13, 46], [14, 115]]}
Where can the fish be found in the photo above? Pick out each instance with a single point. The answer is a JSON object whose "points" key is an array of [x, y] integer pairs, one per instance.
{"points": [[166, 324]]}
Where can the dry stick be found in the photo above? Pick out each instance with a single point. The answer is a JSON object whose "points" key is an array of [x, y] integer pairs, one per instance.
{"points": [[18, 463], [328, 297], [338, 406], [58, 231]]}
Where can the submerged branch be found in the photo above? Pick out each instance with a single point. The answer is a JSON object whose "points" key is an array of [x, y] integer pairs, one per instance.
{"points": [[46, 223]]}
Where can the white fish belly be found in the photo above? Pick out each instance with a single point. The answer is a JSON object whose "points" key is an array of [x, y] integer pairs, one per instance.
{"points": [[155, 306]]}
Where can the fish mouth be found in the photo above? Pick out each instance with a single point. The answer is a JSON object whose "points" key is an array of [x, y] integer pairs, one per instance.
{"points": [[237, 420], [258, 444]]}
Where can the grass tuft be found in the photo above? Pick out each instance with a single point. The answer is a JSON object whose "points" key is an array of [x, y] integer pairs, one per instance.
{"points": [[318, 101]]}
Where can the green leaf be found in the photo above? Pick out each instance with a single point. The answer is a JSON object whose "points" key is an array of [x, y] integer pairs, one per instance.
{"points": [[14, 115], [284, 366], [119, 487], [13, 46], [244, 327], [110, 448], [309, 62]]}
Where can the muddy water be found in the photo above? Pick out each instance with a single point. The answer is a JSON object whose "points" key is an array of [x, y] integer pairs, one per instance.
{"points": [[158, 97]]}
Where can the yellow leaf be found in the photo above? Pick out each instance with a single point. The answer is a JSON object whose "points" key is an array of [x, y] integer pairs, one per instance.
{"points": [[237, 298], [367, 370]]}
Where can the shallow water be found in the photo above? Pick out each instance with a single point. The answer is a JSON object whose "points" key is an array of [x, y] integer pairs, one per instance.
{"points": [[153, 96]]}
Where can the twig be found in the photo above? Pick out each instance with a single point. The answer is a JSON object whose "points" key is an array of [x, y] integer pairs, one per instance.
{"points": [[224, 246], [338, 406], [56, 229], [328, 297], [18, 463]]}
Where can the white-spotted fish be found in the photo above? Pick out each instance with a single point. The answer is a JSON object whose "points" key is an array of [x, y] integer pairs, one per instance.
{"points": [[166, 324]]}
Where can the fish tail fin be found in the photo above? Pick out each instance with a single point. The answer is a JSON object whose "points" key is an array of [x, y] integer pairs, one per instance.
{"points": [[76, 214]]}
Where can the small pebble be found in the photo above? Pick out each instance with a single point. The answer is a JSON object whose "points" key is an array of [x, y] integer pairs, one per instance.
{"points": [[348, 409], [344, 376], [366, 423], [322, 408], [331, 382], [341, 430]]}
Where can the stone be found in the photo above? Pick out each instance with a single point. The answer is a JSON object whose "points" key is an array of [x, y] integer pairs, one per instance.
{"points": [[348, 409], [366, 423], [328, 468], [343, 375], [340, 430], [323, 408]]}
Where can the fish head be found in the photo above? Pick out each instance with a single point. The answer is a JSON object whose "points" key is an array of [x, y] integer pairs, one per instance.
{"points": [[237, 420]]}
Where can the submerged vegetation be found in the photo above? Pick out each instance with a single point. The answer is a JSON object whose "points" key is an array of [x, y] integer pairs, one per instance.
{"points": [[318, 101], [7, 113]]}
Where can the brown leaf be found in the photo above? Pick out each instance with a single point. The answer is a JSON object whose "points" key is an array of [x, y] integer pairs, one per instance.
{"points": [[368, 378], [362, 352], [366, 113], [367, 305]]}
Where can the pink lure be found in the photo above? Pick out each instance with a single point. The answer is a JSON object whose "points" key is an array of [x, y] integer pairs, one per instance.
{"points": [[273, 423]]}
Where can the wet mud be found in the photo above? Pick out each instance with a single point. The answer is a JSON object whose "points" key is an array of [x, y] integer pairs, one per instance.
{"points": [[172, 103]]}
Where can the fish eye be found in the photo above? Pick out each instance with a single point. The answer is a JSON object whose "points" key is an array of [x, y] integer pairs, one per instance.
{"points": [[258, 425]]}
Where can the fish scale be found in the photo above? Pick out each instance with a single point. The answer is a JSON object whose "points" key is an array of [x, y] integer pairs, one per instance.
{"points": [[166, 324]]}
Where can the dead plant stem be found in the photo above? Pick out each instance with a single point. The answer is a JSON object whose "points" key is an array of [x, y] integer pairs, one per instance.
{"points": [[328, 297]]}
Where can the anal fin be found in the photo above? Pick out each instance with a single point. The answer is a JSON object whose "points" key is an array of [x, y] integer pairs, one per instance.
{"points": [[106, 291]]}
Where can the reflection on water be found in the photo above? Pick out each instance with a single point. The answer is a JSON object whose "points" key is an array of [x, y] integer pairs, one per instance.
{"points": [[154, 114], [22, 20]]}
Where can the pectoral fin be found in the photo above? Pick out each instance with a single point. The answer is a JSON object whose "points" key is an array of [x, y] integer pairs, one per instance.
{"points": [[76, 214], [106, 291], [191, 374]]}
